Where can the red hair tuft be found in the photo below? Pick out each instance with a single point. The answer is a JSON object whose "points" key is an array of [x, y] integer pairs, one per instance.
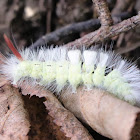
{"points": [[12, 48]]}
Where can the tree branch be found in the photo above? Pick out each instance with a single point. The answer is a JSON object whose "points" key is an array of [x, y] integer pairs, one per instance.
{"points": [[104, 13], [101, 35], [74, 28]]}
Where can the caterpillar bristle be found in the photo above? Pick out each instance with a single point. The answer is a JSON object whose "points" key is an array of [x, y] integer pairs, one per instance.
{"points": [[59, 68], [12, 48]]}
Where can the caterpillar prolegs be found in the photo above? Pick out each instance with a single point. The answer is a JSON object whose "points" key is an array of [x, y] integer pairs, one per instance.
{"points": [[61, 67]]}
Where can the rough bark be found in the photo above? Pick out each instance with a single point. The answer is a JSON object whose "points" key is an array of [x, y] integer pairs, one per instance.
{"points": [[104, 14], [101, 35]]}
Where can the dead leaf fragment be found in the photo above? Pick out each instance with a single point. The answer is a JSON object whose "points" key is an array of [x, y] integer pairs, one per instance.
{"points": [[14, 124]]}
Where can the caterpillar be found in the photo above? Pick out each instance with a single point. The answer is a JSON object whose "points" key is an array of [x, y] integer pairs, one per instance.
{"points": [[60, 67]]}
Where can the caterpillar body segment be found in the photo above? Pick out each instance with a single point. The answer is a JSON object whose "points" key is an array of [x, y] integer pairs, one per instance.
{"points": [[59, 67], [88, 67]]}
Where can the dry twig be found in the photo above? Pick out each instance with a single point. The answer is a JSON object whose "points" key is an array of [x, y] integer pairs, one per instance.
{"points": [[74, 28], [101, 34], [104, 13]]}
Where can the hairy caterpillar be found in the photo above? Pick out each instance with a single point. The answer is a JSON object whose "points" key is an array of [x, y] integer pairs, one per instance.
{"points": [[60, 67]]}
